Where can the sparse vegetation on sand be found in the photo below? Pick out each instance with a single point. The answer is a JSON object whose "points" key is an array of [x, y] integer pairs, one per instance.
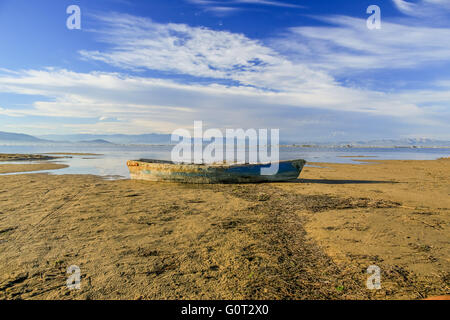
{"points": [[24, 157]]}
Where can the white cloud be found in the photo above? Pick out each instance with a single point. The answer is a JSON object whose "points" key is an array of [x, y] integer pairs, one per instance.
{"points": [[139, 43], [423, 8], [234, 3], [222, 11], [95, 95]]}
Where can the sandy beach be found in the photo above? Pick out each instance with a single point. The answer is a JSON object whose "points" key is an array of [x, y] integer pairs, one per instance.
{"points": [[311, 239]]}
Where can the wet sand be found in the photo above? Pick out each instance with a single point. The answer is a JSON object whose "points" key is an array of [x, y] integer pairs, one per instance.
{"points": [[29, 167], [313, 239]]}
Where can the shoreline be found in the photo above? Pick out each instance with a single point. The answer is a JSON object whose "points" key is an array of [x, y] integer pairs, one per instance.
{"points": [[362, 147], [38, 162]]}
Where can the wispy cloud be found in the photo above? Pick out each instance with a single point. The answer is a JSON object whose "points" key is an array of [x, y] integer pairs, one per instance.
{"points": [[423, 8], [223, 7], [274, 3], [142, 105], [141, 44], [254, 2], [349, 44], [127, 98], [222, 11]]}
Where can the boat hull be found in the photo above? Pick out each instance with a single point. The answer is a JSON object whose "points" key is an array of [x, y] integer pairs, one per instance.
{"points": [[153, 170]]}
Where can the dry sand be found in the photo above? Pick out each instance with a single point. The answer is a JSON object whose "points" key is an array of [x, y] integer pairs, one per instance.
{"points": [[308, 240]]}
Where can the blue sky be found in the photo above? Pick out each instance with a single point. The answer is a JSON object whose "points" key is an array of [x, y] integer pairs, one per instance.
{"points": [[311, 68]]}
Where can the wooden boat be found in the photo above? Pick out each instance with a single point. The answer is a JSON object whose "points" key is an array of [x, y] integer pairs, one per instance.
{"points": [[159, 170]]}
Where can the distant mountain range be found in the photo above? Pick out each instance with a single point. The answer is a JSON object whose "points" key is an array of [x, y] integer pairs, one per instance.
{"points": [[96, 141], [151, 138], [154, 138], [19, 137]]}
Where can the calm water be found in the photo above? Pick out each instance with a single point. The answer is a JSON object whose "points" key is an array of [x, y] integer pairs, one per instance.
{"points": [[112, 161]]}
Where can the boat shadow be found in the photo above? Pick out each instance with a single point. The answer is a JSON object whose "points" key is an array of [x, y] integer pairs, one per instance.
{"points": [[332, 181]]}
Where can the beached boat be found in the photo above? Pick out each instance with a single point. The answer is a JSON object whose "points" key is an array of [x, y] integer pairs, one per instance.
{"points": [[158, 170]]}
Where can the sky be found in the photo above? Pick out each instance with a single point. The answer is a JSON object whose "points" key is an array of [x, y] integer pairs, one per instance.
{"points": [[311, 68]]}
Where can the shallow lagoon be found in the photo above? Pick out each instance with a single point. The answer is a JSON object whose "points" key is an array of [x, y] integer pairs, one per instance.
{"points": [[110, 161]]}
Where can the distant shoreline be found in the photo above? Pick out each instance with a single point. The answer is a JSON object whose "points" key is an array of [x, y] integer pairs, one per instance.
{"points": [[294, 145], [362, 146]]}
